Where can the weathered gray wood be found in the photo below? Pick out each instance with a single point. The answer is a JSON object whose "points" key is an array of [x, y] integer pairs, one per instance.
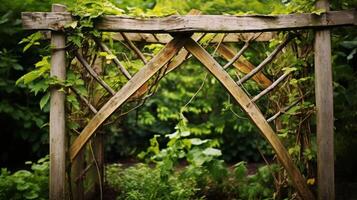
{"points": [[255, 115], [200, 23], [236, 57], [324, 108], [163, 38], [57, 116], [98, 147], [89, 69], [138, 80], [243, 65], [134, 48], [271, 87], [77, 167], [85, 100], [266, 61]]}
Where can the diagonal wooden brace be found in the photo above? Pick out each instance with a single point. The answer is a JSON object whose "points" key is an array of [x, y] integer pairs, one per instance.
{"points": [[139, 79], [255, 115]]}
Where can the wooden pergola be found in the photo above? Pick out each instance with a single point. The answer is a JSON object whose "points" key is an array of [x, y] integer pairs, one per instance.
{"points": [[180, 34]]}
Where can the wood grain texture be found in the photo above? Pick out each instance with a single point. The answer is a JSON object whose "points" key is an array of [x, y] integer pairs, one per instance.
{"points": [[91, 71], [255, 115], [243, 65], [271, 87], [266, 61], [57, 117], [163, 38], [200, 23], [324, 112], [139, 79]]}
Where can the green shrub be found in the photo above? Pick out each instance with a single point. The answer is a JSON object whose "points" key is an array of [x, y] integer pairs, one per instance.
{"points": [[256, 186], [143, 182], [24, 184]]}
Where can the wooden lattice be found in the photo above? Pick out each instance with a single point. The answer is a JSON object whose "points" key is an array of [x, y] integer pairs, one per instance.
{"points": [[180, 34]]}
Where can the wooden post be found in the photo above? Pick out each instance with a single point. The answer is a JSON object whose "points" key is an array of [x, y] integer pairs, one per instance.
{"points": [[77, 167], [324, 106], [99, 154], [57, 116]]}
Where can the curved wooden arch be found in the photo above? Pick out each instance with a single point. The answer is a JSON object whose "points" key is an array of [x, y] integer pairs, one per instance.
{"points": [[163, 57], [255, 115]]}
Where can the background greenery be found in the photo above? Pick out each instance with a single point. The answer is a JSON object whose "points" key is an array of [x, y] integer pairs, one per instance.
{"points": [[24, 132]]}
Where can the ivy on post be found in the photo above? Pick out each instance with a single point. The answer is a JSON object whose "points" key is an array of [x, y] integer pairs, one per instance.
{"points": [[57, 115], [324, 106]]}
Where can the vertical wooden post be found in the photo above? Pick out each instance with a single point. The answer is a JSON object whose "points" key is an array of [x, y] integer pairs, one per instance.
{"points": [[57, 116], [324, 105], [99, 154], [77, 167]]}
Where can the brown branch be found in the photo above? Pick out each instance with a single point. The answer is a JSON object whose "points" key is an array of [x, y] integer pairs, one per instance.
{"points": [[85, 100], [116, 60], [266, 61], [93, 73], [285, 109], [271, 87], [236, 57], [134, 48]]}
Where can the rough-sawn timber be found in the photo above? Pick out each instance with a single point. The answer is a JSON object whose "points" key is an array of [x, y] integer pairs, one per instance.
{"points": [[200, 23]]}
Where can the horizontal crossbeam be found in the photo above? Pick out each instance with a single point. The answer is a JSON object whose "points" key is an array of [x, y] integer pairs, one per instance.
{"points": [[201, 23], [163, 38]]}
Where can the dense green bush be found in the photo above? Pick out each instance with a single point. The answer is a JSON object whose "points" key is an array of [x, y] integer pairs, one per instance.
{"points": [[25, 184], [141, 182]]}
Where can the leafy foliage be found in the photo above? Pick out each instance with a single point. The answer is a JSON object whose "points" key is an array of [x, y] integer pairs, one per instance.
{"points": [[24, 184], [142, 182], [191, 182]]}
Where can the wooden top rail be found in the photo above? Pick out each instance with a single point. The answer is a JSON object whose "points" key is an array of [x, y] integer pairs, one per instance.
{"points": [[164, 38], [201, 23]]}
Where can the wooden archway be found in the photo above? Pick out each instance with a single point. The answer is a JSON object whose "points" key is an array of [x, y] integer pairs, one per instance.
{"points": [[163, 57], [179, 25]]}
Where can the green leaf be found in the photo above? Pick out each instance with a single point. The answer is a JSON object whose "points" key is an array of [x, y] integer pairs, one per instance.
{"points": [[31, 40], [240, 170], [44, 100], [319, 11], [197, 141], [72, 25], [212, 152], [31, 195]]}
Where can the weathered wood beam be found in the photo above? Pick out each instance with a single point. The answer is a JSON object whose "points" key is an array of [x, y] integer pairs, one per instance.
{"points": [[324, 111], [271, 87], [255, 115], [57, 116], [237, 55], [163, 38], [266, 61], [89, 69], [134, 48], [243, 65], [138, 80], [199, 23]]}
